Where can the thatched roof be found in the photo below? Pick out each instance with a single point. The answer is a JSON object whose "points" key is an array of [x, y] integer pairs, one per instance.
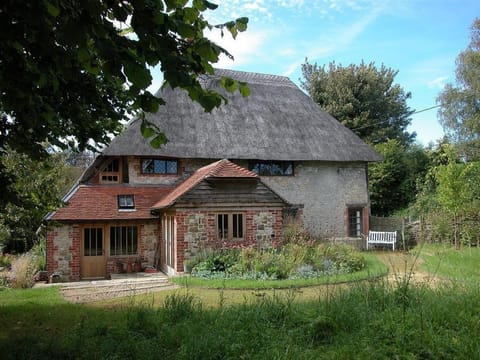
{"points": [[276, 122]]}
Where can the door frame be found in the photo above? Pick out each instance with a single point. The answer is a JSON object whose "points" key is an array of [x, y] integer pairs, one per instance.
{"points": [[168, 248], [100, 262]]}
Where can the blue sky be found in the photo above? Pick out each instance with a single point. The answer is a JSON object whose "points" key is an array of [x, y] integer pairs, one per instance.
{"points": [[419, 38]]}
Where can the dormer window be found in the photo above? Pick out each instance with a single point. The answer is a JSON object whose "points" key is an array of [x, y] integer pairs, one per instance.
{"points": [[111, 172], [159, 166], [126, 202]]}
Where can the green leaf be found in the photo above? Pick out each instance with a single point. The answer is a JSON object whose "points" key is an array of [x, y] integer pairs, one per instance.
{"points": [[241, 23], [146, 130], [209, 5], [229, 84], [52, 9], [232, 28], [244, 89], [83, 55], [149, 103], [138, 75], [185, 30], [210, 100], [190, 15], [206, 51], [158, 141]]}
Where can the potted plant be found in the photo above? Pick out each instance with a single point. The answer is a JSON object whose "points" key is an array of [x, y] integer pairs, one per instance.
{"points": [[138, 264], [119, 265], [188, 265]]}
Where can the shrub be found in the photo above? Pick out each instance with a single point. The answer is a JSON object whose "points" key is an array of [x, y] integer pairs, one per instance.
{"points": [[6, 260], [22, 272], [294, 232], [293, 260], [39, 252]]}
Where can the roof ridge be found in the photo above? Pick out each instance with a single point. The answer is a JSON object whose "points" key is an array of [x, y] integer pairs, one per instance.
{"points": [[249, 77], [225, 164]]}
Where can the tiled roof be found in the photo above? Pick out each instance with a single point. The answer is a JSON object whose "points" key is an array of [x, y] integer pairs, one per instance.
{"points": [[220, 169], [100, 203]]}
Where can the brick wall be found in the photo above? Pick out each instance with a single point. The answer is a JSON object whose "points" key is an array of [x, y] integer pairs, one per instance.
{"points": [[63, 252], [64, 248], [196, 230]]}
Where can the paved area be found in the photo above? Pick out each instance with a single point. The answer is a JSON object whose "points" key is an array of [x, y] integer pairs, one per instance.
{"points": [[120, 285]]}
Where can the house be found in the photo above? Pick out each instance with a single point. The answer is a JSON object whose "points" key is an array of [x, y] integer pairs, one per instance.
{"points": [[286, 156]]}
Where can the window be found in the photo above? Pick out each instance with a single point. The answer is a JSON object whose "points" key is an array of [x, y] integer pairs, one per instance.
{"points": [[355, 222], [111, 172], [126, 202], [272, 168], [92, 242], [123, 240], [230, 226], [159, 166]]}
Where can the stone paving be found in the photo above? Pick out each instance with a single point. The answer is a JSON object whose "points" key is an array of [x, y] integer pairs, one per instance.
{"points": [[119, 286]]}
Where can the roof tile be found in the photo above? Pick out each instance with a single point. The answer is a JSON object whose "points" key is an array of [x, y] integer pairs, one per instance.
{"points": [[100, 203], [219, 169]]}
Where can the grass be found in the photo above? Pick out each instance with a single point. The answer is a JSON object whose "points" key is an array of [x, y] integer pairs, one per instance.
{"points": [[447, 262], [360, 320], [363, 321], [374, 268]]}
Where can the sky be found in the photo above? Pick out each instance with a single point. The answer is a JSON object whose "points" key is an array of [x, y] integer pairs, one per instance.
{"points": [[419, 38]]}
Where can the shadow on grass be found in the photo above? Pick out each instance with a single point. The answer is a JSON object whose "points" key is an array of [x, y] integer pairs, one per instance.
{"points": [[365, 320]]}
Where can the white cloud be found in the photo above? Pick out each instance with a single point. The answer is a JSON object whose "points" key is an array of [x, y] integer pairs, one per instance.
{"points": [[244, 48], [292, 68], [438, 83]]}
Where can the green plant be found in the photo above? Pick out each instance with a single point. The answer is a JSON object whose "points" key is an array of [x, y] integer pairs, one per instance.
{"points": [[39, 252], [22, 272], [178, 306], [6, 260]]}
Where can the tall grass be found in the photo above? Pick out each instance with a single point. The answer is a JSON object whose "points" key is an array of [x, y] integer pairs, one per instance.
{"points": [[364, 321], [448, 262]]}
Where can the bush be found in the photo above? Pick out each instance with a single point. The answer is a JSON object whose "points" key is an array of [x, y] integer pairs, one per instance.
{"points": [[293, 260], [6, 260], [39, 252], [22, 272]]}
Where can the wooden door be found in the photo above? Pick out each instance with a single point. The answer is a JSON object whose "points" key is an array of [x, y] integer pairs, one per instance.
{"points": [[92, 263]]}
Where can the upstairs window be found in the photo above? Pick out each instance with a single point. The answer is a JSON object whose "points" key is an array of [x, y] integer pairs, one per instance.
{"points": [[159, 166], [272, 168], [230, 226], [111, 172], [126, 202]]}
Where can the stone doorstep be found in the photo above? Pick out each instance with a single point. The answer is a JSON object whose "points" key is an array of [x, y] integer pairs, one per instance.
{"points": [[117, 279]]}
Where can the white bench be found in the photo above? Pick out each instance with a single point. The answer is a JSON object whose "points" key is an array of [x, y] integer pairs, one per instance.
{"points": [[382, 238]]}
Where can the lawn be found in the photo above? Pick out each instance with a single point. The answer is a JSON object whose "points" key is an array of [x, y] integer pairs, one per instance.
{"points": [[361, 320], [446, 262]]}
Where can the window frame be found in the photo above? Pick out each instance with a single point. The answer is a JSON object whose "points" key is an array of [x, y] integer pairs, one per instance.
{"points": [[87, 237], [231, 224], [118, 243], [283, 165], [111, 172], [166, 161], [122, 206], [355, 228]]}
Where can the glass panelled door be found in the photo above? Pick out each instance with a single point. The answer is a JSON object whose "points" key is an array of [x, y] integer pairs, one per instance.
{"points": [[93, 253]]}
